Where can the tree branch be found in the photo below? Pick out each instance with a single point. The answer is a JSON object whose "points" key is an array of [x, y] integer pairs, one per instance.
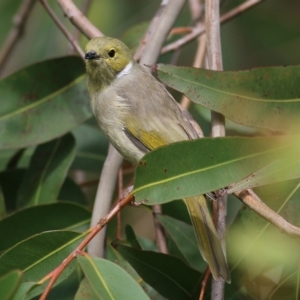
{"points": [[200, 30], [62, 28], [214, 59], [78, 19]]}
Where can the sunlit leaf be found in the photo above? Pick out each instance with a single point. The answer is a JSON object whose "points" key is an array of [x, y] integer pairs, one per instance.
{"points": [[263, 97]]}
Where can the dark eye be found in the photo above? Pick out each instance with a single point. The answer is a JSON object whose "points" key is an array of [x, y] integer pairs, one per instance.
{"points": [[111, 53]]}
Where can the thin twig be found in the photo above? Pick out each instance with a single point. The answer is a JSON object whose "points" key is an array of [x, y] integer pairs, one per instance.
{"points": [[78, 19], [197, 12], [214, 59], [19, 21], [160, 237], [92, 232], [249, 198], [120, 196], [204, 283], [76, 34], [200, 30], [62, 28]]}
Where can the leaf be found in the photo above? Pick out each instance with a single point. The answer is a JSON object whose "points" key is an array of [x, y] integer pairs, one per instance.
{"points": [[85, 291], [184, 237], [9, 284], [170, 276], [47, 171], [40, 254], [71, 191], [33, 220], [10, 181], [42, 102], [109, 281], [165, 174], [91, 147], [131, 237], [23, 290], [262, 97], [281, 169]]}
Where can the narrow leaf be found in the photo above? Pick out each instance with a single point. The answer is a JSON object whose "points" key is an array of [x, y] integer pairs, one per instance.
{"points": [[85, 291], [9, 284], [166, 174], [263, 97], [170, 276], [109, 281], [47, 171], [33, 220], [42, 102], [184, 237], [131, 237], [41, 254]]}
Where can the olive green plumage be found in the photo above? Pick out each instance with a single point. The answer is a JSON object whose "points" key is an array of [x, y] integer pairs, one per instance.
{"points": [[138, 114]]}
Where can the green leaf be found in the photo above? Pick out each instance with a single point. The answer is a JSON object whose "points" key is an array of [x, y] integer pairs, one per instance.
{"points": [[36, 219], [105, 278], [41, 254], [184, 237], [170, 276], [23, 290], [262, 97], [10, 181], [71, 191], [47, 171], [131, 237], [9, 284], [91, 147], [42, 102], [85, 291], [165, 174], [2, 204]]}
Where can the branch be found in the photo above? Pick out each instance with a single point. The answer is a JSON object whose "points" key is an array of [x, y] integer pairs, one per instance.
{"points": [[249, 198], [161, 28], [19, 21], [105, 190], [62, 28], [214, 59], [200, 30], [78, 19], [76, 34]]}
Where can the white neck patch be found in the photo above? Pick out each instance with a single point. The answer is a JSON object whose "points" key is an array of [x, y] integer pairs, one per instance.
{"points": [[126, 70]]}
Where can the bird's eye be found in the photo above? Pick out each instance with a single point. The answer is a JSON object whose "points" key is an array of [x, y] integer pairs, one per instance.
{"points": [[111, 53]]}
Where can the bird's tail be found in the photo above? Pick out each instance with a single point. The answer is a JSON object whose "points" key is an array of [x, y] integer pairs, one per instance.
{"points": [[208, 241]]}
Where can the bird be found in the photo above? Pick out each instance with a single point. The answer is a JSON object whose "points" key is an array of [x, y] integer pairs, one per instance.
{"points": [[137, 114]]}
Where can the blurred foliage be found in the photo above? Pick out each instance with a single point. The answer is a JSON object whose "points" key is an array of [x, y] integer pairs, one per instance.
{"points": [[52, 153]]}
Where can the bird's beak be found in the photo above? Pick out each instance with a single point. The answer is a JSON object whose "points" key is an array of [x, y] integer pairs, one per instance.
{"points": [[91, 55]]}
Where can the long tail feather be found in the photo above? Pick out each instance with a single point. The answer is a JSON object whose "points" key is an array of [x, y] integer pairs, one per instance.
{"points": [[208, 241]]}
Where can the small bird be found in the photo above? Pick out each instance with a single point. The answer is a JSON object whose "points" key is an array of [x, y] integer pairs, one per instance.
{"points": [[138, 114]]}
